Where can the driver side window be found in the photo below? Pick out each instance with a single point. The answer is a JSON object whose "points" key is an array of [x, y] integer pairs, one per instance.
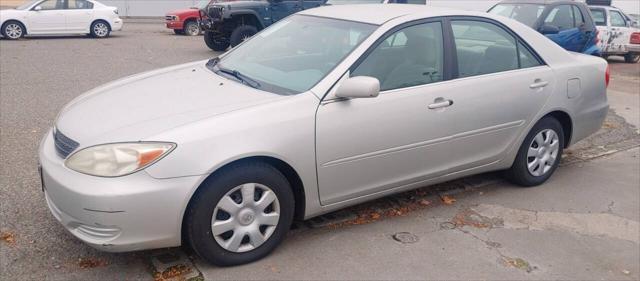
{"points": [[51, 5], [409, 57]]}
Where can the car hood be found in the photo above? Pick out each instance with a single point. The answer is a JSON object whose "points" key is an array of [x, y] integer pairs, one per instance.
{"points": [[144, 105], [183, 12], [236, 5]]}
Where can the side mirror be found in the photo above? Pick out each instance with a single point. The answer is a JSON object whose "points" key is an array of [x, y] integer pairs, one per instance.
{"points": [[634, 24], [37, 8], [549, 29], [359, 87]]}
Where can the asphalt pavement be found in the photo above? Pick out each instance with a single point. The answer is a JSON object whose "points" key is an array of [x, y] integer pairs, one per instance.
{"points": [[582, 224]]}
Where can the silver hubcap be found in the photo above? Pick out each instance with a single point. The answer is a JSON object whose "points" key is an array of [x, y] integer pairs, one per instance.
{"points": [[13, 31], [245, 217], [100, 29], [543, 152], [193, 29]]}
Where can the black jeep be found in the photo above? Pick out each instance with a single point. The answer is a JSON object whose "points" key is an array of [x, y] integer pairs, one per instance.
{"points": [[229, 23]]}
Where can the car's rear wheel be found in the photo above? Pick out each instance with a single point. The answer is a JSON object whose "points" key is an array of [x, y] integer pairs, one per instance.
{"points": [[100, 29], [539, 154], [191, 28], [240, 214], [215, 42], [242, 33], [631, 58], [13, 30]]}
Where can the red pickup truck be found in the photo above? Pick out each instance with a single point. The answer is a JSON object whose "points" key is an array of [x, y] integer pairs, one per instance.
{"points": [[185, 21]]}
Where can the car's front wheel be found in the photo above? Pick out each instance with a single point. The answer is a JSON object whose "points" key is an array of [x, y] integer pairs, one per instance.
{"points": [[13, 30], [100, 29], [191, 28], [240, 214], [215, 42], [539, 154], [631, 58]]}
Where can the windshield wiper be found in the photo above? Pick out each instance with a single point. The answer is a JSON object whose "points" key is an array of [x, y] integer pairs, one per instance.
{"points": [[213, 65]]}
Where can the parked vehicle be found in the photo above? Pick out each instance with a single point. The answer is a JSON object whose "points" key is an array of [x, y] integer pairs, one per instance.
{"points": [[186, 21], [352, 2], [568, 23], [228, 24], [619, 35], [50, 17], [325, 109]]}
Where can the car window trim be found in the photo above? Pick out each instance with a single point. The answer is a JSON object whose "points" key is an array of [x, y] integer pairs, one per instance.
{"points": [[517, 38]]}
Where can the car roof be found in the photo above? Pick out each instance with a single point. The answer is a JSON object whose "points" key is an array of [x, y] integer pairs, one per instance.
{"points": [[380, 13]]}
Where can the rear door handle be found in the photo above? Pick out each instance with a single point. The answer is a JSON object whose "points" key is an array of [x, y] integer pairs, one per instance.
{"points": [[538, 84], [440, 104]]}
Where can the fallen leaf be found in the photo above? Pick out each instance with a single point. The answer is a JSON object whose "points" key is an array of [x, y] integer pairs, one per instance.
{"points": [[8, 237], [447, 200], [91, 262], [424, 202], [375, 216], [172, 272]]}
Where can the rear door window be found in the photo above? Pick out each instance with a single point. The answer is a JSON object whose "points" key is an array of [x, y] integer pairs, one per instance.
{"points": [[484, 48], [578, 18]]}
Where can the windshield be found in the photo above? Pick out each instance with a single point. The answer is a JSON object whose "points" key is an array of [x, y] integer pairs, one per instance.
{"points": [[524, 13], [26, 5], [294, 54], [346, 2]]}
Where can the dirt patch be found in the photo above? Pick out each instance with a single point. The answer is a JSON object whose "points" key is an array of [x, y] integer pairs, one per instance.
{"points": [[176, 272], [469, 217]]}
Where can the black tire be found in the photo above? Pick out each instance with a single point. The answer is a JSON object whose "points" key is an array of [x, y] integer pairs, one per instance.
{"points": [[215, 43], [191, 28], [198, 217], [242, 33], [519, 172], [100, 29], [178, 31], [10, 30], [631, 58]]}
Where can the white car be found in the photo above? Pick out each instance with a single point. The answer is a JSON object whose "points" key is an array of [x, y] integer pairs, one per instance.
{"points": [[52, 17], [619, 34], [328, 108]]}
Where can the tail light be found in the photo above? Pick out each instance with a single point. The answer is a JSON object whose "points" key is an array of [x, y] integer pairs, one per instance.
{"points": [[607, 76], [635, 38]]}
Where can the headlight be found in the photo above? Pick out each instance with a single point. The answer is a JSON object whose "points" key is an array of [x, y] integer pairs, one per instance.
{"points": [[117, 159]]}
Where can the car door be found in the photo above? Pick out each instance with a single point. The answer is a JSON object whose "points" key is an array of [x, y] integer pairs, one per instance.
{"points": [[501, 85], [283, 8], [600, 19], [47, 17], [78, 14], [569, 36], [620, 32], [371, 145]]}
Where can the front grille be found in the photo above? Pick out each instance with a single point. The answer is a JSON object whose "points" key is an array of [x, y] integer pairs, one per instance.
{"points": [[215, 12], [64, 145], [170, 18]]}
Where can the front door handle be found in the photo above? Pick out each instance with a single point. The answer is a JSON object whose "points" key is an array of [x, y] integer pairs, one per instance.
{"points": [[440, 103], [538, 84]]}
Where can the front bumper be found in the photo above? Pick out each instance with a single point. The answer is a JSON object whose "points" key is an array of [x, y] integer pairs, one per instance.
{"points": [[129, 213], [175, 24]]}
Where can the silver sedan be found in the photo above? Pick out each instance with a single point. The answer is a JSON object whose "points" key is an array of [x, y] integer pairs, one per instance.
{"points": [[327, 108]]}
